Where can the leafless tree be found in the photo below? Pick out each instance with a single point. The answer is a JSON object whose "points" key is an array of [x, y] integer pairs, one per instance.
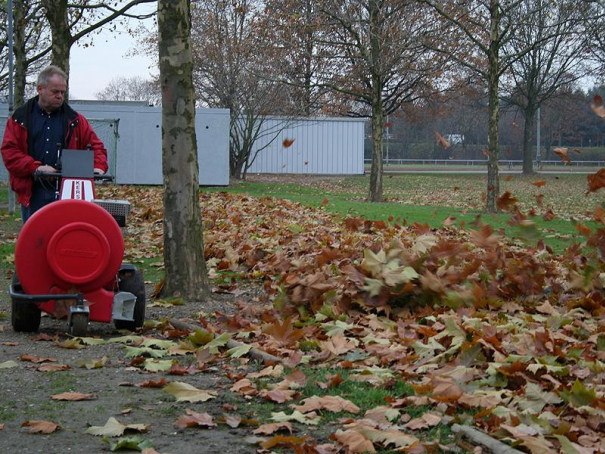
{"points": [[71, 22], [133, 88], [31, 45], [234, 64], [488, 29], [377, 61], [556, 37]]}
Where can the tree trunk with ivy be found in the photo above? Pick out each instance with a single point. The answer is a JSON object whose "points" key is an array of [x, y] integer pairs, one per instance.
{"points": [[184, 262]]}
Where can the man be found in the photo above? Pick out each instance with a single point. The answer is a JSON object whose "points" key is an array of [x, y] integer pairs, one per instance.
{"points": [[35, 135]]}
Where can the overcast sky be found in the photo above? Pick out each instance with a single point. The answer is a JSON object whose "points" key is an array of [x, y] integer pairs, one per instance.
{"points": [[92, 68]]}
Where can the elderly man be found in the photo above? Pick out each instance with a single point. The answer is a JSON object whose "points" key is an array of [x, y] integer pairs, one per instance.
{"points": [[35, 135]]}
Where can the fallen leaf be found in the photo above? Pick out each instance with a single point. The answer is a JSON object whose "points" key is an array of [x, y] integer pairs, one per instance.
{"points": [[152, 383], [53, 367], [424, 422], [270, 428], [36, 359], [330, 403], [114, 428], [41, 427], [187, 393], [193, 419], [74, 396]]}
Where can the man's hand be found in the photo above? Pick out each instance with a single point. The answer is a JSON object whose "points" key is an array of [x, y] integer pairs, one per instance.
{"points": [[98, 171], [46, 169]]}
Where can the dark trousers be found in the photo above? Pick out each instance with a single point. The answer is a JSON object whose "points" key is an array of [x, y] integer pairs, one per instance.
{"points": [[41, 196]]}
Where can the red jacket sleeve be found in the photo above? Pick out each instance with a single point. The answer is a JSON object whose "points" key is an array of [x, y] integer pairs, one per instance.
{"points": [[16, 159]]}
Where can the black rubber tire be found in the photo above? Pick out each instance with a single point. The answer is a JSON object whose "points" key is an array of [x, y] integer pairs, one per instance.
{"points": [[132, 281], [25, 315], [79, 325]]}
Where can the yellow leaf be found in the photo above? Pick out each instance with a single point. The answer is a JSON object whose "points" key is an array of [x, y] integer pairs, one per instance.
{"points": [[187, 393]]}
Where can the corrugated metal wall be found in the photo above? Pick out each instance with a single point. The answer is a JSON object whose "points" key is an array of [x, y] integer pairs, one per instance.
{"points": [[321, 146]]}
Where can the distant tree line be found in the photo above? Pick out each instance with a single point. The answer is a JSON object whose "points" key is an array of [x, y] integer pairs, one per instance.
{"points": [[566, 120]]}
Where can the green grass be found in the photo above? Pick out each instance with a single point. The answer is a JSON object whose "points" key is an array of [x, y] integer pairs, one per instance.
{"points": [[362, 394], [349, 201], [3, 193]]}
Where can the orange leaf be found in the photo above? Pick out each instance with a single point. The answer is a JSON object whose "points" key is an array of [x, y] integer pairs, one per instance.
{"points": [[278, 395], [597, 106], [486, 152], [599, 214], [46, 367], [509, 177], [424, 422], [194, 420], [443, 143], [330, 403], [562, 153], [36, 359], [596, 181], [74, 396], [41, 427], [268, 429], [506, 201], [278, 440], [355, 441], [549, 215], [539, 184], [284, 332], [582, 229], [539, 199], [287, 143], [446, 390], [152, 384]]}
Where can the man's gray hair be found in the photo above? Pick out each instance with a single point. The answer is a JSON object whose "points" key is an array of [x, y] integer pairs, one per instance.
{"points": [[48, 72]]}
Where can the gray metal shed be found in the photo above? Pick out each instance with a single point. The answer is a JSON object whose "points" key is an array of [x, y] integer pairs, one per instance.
{"points": [[322, 145]]}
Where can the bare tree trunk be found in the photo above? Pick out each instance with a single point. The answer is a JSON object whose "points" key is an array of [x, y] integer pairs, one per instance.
{"points": [[377, 108], [20, 53], [56, 14], [186, 274], [493, 177], [528, 135], [376, 170]]}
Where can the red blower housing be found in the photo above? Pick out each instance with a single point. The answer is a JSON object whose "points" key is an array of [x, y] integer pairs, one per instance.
{"points": [[71, 246]]}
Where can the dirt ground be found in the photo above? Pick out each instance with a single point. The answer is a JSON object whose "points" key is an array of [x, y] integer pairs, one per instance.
{"points": [[25, 393]]}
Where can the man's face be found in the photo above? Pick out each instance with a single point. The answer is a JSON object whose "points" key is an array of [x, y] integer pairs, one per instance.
{"points": [[51, 95]]}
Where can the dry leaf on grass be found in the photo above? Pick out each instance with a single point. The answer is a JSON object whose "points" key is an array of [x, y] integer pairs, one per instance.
{"points": [[424, 422], [330, 403]]}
